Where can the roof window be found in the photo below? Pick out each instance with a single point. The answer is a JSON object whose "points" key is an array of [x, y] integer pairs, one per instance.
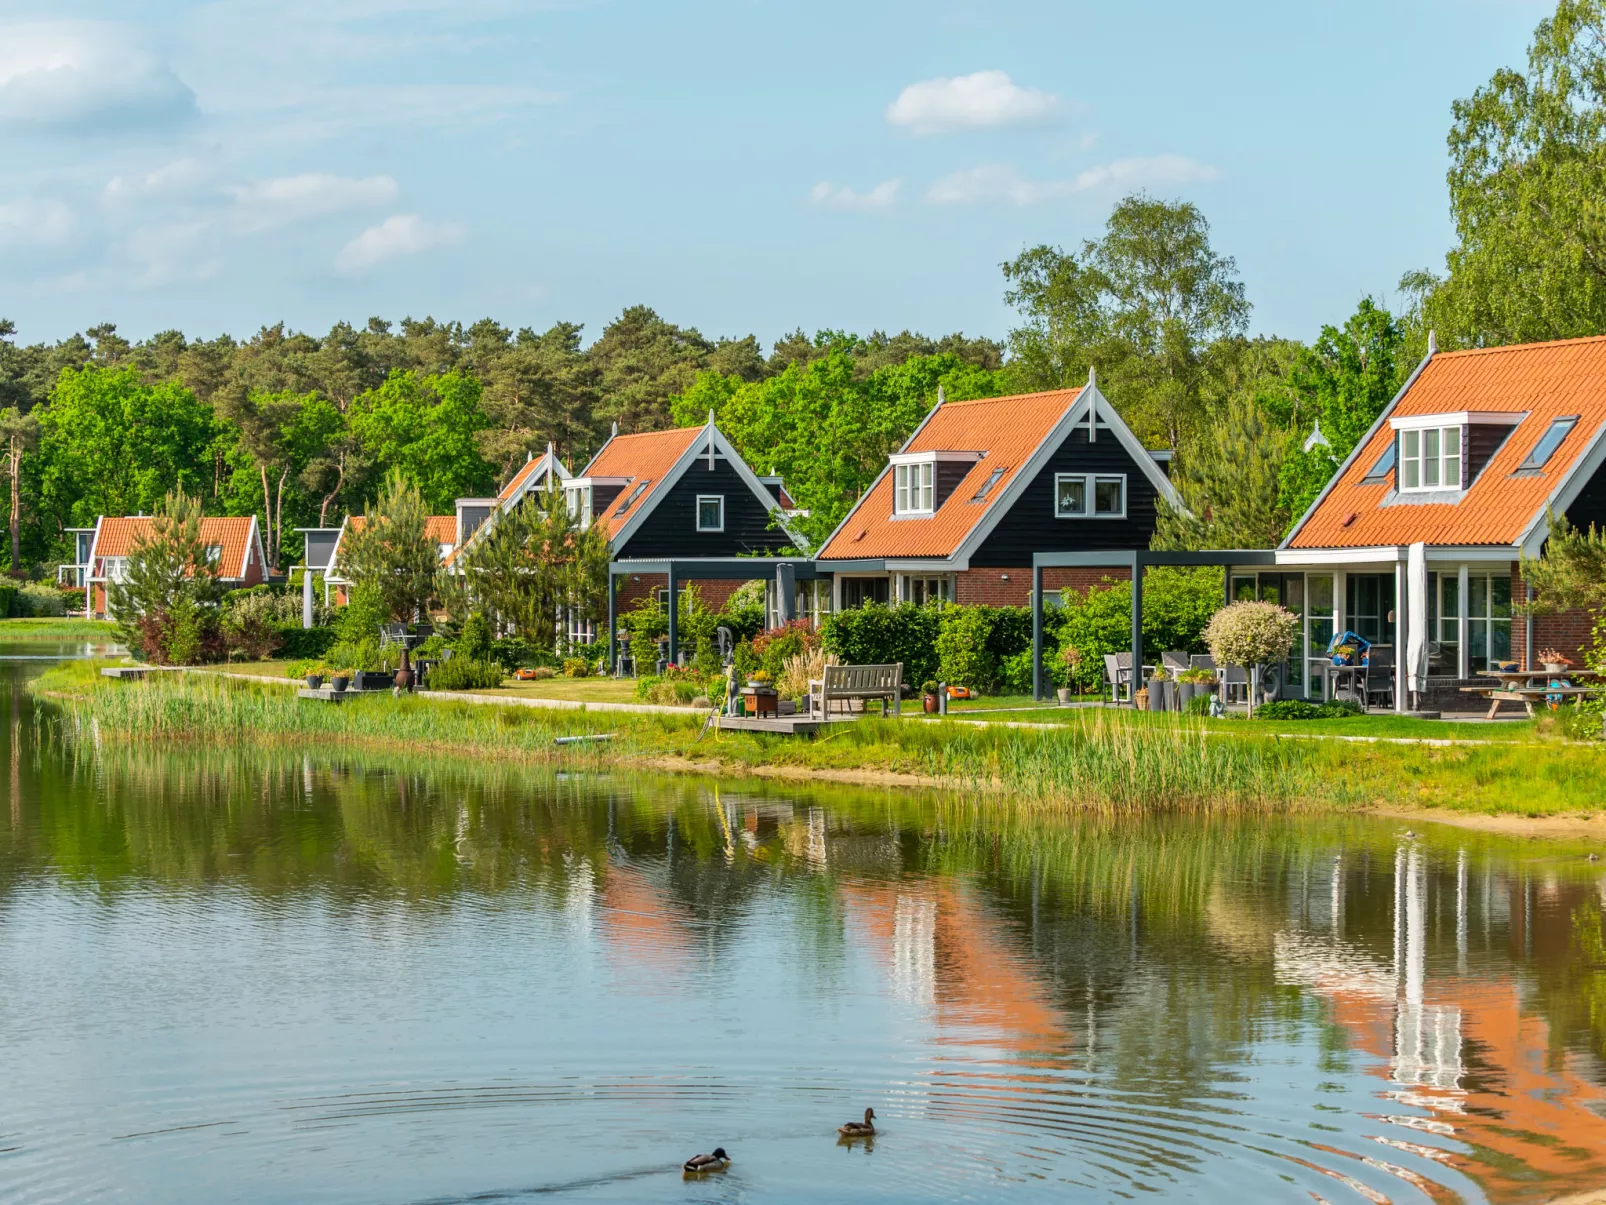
{"points": [[1380, 471], [1552, 439], [987, 486], [630, 498]]}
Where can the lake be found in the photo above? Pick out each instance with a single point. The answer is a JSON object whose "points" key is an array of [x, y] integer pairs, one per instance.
{"points": [[326, 977]]}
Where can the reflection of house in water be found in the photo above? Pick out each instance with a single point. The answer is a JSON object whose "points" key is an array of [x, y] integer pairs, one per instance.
{"points": [[1451, 1039]]}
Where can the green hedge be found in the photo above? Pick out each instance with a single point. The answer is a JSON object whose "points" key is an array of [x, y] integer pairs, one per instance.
{"points": [[879, 635], [9, 598], [465, 673], [299, 644]]}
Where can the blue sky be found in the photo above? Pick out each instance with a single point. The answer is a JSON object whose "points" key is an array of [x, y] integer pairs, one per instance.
{"points": [[740, 166]]}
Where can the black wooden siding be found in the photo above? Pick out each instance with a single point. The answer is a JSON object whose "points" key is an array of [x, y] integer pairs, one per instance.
{"points": [[1479, 443], [1590, 505], [671, 529], [947, 477], [1031, 526]]}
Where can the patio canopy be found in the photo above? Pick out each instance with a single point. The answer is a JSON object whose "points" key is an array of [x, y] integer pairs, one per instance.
{"points": [[786, 570], [1135, 560]]}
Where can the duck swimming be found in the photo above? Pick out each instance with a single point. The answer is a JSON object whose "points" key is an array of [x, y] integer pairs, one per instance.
{"points": [[859, 1129], [698, 1164]]}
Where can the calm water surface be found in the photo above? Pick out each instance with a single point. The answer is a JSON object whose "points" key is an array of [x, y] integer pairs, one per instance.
{"points": [[288, 977]]}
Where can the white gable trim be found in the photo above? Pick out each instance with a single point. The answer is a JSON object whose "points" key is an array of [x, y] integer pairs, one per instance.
{"points": [[709, 439], [1565, 494], [1089, 403], [548, 465], [1360, 445], [94, 544], [253, 540]]}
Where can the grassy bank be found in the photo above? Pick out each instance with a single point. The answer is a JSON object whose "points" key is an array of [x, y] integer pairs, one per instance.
{"points": [[95, 630], [1093, 760]]}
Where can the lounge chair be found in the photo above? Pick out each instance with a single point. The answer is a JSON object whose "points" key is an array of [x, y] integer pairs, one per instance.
{"points": [[1173, 664]]}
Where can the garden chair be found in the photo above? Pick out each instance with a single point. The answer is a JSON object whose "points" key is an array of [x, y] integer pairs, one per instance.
{"points": [[392, 633], [1234, 681], [1118, 672], [1377, 683], [1173, 664]]}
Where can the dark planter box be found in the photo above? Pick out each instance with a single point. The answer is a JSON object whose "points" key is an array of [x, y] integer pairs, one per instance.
{"points": [[374, 679]]}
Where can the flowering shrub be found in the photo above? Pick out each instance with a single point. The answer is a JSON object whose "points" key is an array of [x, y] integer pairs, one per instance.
{"points": [[1251, 633]]}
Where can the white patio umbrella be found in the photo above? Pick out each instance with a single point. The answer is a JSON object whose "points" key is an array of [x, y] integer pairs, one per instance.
{"points": [[1416, 631]]}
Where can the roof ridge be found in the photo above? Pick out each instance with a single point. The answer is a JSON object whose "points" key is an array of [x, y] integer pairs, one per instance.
{"points": [[1514, 347], [1016, 397]]}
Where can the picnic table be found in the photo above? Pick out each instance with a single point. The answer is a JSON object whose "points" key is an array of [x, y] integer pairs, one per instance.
{"points": [[1517, 686]]}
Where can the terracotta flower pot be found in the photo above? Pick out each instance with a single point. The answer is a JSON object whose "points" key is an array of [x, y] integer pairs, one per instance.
{"points": [[929, 702]]}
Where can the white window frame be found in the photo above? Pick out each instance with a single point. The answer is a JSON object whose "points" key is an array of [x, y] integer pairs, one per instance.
{"points": [[114, 568], [1413, 460], [904, 588], [702, 498], [214, 554], [914, 488], [1090, 484]]}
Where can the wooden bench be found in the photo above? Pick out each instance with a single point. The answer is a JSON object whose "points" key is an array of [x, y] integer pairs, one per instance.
{"points": [[845, 682]]}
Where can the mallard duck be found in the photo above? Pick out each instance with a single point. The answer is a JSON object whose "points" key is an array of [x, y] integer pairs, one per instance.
{"points": [[698, 1164], [859, 1129]]}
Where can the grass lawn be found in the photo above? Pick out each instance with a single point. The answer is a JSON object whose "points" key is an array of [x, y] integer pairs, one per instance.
{"points": [[57, 629]]}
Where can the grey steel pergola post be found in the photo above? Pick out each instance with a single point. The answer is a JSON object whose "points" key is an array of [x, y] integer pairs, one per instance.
{"points": [[613, 627], [1037, 631], [1137, 624], [674, 609]]}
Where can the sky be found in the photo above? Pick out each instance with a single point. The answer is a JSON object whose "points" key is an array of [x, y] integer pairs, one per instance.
{"points": [[740, 166]]}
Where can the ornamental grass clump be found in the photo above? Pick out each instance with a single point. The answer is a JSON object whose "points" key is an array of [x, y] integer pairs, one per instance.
{"points": [[1251, 634]]}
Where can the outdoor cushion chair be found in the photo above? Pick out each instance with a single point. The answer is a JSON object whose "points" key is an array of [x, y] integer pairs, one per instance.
{"points": [[1377, 682], [1202, 661], [1118, 672], [392, 633], [1234, 684], [1174, 663]]}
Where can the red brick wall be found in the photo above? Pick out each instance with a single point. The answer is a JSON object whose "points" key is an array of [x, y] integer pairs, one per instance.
{"points": [[1565, 631], [988, 587], [635, 587]]}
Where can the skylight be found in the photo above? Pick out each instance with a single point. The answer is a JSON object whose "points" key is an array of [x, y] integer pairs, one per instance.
{"points": [[987, 486], [1548, 443], [632, 496], [1380, 471]]}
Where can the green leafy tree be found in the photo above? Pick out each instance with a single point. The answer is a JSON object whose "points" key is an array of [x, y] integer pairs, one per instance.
{"points": [[425, 426], [1340, 384], [280, 435], [112, 445], [1527, 184], [167, 604], [535, 562], [1151, 305], [391, 552]]}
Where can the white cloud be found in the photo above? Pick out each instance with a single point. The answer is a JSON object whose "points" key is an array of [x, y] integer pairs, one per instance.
{"points": [[984, 100], [830, 196], [182, 177], [400, 234], [262, 204], [996, 183], [33, 225], [91, 76]]}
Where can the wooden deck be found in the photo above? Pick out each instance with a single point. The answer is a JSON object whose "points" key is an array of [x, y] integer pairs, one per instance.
{"points": [[133, 673], [785, 725]]}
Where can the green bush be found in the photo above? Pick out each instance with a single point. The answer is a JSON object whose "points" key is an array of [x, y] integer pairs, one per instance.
{"points": [[361, 617], [465, 673], [1177, 606], [305, 666], [1582, 721], [299, 642], [10, 598], [879, 635], [514, 652], [474, 641], [965, 656], [39, 600], [1015, 671], [1301, 709]]}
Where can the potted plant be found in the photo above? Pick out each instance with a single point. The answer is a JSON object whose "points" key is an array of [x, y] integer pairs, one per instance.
{"points": [[1191, 683], [1251, 634], [760, 679], [1554, 661], [1072, 658], [928, 700], [314, 674], [339, 681]]}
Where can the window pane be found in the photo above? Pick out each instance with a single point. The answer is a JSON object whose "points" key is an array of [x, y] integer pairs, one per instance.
{"points": [[1477, 596], [1499, 640], [1500, 597], [1107, 497], [1452, 457], [1452, 596], [1430, 458], [1072, 495], [900, 484], [1411, 478], [1321, 635], [1548, 443], [1321, 593]]}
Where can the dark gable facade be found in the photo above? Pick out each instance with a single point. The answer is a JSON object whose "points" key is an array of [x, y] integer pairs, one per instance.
{"points": [[1032, 525], [671, 529]]}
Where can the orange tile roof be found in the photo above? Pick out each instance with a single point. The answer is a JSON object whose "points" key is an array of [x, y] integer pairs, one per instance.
{"points": [[645, 457], [1542, 380], [1008, 429], [526, 469], [440, 528], [117, 536]]}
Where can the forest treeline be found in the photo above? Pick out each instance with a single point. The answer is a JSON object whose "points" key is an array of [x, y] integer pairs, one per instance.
{"points": [[300, 428]]}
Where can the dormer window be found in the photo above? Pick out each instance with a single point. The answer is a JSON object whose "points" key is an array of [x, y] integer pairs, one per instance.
{"points": [[914, 488], [1430, 459], [1552, 439]]}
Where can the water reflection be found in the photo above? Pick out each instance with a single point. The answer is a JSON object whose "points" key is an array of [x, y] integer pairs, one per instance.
{"points": [[319, 977]]}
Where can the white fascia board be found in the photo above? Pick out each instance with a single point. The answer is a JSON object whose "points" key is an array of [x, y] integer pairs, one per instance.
{"points": [[1376, 554], [254, 537], [94, 543], [1459, 418], [1565, 494], [932, 457], [929, 565], [1360, 446], [334, 553]]}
